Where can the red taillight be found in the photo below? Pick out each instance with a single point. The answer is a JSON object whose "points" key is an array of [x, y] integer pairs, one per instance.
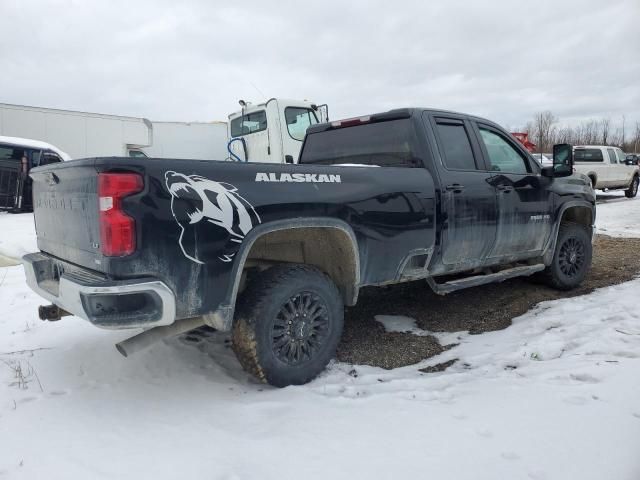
{"points": [[117, 229]]}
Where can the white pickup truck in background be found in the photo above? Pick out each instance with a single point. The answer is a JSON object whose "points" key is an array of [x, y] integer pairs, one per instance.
{"points": [[606, 168]]}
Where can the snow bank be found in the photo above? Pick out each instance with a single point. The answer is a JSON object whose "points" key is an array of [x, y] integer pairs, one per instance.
{"points": [[17, 235], [398, 323]]}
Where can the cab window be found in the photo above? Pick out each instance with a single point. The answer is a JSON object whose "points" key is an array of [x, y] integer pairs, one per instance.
{"points": [[456, 147], [298, 120], [503, 157], [612, 155], [588, 155], [249, 123]]}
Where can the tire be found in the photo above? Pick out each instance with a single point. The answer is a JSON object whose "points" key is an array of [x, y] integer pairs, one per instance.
{"points": [[632, 191], [270, 336], [571, 258]]}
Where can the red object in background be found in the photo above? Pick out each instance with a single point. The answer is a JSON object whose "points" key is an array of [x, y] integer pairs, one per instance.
{"points": [[523, 138]]}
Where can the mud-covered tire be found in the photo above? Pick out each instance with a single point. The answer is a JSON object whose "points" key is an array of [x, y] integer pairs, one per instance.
{"points": [[632, 191], [274, 322], [571, 258]]}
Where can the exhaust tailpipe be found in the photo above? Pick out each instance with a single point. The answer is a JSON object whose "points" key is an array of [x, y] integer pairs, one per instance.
{"points": [[148, 337]]}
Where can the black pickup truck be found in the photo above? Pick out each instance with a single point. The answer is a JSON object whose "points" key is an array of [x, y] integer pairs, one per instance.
{"points": [[273, 252]]}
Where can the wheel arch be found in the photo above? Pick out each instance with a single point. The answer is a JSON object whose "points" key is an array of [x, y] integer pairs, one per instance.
{"points": [[327, 243], [574, 212]]}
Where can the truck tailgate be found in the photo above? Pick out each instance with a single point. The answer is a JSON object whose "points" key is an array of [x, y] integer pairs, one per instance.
{"points": [[66, 211]]}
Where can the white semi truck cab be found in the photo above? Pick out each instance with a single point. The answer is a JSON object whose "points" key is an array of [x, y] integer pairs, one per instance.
{"points": [[273, 131]]}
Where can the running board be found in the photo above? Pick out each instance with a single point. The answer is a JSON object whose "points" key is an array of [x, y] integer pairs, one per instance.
{"points": [[453, 285]]}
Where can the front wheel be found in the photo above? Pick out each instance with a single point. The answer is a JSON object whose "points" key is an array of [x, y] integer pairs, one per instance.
{"points": [[288, 325], [632, 191], [571, 259]]}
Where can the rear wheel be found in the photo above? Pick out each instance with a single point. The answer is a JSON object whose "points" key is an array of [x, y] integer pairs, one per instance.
{"points": [[571, 259], [632, 191], [288, 325]]}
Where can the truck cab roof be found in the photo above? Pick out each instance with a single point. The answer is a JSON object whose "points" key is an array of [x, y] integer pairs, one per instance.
{"points": [[396, 113]]}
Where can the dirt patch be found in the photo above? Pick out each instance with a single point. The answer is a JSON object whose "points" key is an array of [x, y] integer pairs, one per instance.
{"points": [[479, 309]]}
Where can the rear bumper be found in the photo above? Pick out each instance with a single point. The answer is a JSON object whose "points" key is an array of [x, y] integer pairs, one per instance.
{"points": [[114, 304]]}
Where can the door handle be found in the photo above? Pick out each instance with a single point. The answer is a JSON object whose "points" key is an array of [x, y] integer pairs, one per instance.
{"points": [[505, 188], [455, 187]]}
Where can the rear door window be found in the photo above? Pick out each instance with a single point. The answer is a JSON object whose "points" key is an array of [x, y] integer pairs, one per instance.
{"points": [[385, 144], [503, 157], [455, 144], [249, 123]]}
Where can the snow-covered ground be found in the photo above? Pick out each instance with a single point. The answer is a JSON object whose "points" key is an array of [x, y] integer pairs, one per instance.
{"points": [[617, 215], [554, 396], [17, 237]]}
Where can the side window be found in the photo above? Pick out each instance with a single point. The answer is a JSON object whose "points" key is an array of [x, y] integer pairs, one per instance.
{"points": [[35, 157], [49, 157], [620, 155], [503, 157], [456, 146], [298, 120], [612, 155], [249, 123]]}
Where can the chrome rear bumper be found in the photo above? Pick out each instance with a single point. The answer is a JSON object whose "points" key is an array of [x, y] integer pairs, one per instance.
{"points": [[114, 304]]}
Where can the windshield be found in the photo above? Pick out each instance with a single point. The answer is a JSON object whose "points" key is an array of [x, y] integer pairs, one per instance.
{"points": [[298, 120]]}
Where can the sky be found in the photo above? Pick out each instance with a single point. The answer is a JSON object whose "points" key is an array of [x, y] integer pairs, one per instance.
{"points": [[193, 60]]}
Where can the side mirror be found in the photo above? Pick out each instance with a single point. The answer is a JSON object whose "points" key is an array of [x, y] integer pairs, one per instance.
{"points": [[562, 161]]}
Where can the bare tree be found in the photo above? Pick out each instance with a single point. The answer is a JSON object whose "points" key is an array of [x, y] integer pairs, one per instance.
{"points": [[543, 131], [542, 128]]}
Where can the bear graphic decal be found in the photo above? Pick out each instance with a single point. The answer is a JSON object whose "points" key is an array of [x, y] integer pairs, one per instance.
{"points": [[209, 211]]}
